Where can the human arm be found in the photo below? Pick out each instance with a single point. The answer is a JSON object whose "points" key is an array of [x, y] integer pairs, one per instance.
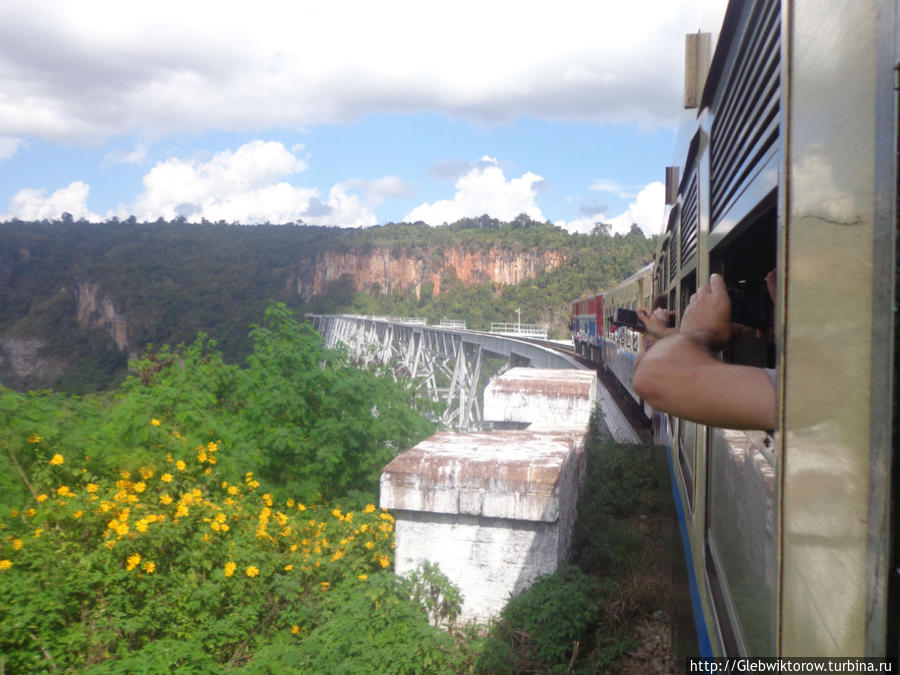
{"points": [[680, 375]]}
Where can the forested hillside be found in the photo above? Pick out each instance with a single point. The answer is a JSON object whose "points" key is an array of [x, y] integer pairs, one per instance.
{"points": [[79, 299]]}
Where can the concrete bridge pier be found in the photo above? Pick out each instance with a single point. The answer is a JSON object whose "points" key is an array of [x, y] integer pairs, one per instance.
{"points": [[495, 510]]}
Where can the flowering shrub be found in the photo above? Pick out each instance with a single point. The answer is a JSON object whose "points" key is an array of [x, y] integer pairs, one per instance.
{"points": [[99, 567]]}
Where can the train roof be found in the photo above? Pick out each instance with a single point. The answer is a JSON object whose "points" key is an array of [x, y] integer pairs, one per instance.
{"points": [[644, 271]]}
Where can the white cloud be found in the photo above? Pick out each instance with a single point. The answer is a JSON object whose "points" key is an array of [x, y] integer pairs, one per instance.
{"points": [[379, 189], [170, 66], [246, 186], [606, 185], [484, 189], [647, 210], [135, 156], [30, 204], [9, 146]]}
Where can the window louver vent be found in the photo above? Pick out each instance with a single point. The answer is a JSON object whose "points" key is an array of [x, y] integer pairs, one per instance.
{"points": [[673, 262], [689, 223], [745, 124]]}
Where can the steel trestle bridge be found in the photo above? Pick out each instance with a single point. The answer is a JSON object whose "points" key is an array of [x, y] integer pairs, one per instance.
{"points": [[452, 364]]}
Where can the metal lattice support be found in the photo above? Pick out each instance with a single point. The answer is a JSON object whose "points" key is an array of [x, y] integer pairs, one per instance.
{"points": [[446, 363]]}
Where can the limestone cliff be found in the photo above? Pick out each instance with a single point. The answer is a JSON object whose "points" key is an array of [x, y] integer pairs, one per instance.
{"points": [[394, 269], [95, 309], [23, 364]]}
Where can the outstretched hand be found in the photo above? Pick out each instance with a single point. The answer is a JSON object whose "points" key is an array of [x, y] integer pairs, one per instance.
{"points": [[657, 322], [707, 319]]}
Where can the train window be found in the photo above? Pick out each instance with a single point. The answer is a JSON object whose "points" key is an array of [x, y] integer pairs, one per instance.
{"points": [[744, 260]]}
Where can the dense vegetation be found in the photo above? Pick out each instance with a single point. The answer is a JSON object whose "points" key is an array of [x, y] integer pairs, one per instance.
{"points": [[207, 518], [173, 280]]}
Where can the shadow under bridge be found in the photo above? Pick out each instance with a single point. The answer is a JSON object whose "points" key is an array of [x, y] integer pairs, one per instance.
{"points": [[453, 365]]}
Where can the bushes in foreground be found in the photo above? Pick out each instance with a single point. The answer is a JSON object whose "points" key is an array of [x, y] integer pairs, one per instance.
{"points": [[100, 566]]}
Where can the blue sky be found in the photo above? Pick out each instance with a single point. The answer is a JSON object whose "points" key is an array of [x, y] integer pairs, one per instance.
{"points": [[342, 113]]}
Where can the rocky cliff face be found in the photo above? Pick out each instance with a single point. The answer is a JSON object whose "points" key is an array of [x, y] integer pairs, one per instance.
{"points": [[396, 270], [96, 309], [23, 364]]}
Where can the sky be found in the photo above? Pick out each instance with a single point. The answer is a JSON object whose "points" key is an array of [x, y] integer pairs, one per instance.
{"points": [[343, 113]]}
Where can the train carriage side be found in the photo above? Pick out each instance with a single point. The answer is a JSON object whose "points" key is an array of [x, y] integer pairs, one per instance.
{"points": [[791, 164], [622, 345], [585, 326]]}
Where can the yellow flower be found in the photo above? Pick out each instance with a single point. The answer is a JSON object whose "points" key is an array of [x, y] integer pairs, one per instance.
{"points": [[337, 514], [294, 629], [133, 561], [63, 490], [182, 510], [165, 499], [370, 508], [251, 571], [324, 585], [34, 438], [337, 555], [149, 567], [109, 543], [78, 514], [17, 544], [230, 567], [57, 459], [369, 545], [288, 568], [233, 489], [140, 486], [166, 478], [301, 507], [5, 564], [146, 473], [180, 465], [362, 577], [92, 487], [41, 498], [38, 532], [155, 422], [384, 560]]}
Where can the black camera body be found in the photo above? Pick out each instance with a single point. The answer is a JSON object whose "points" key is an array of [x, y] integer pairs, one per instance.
{"points": [[751, 305], [627, 318]]}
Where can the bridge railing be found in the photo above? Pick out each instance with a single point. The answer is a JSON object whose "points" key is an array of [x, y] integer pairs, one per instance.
{"points": [[521, 329], [401, 319], [452, 323]]}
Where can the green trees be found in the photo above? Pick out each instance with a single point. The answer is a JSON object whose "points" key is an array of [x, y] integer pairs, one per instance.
{"points": [[171, 280], [203, 511]]}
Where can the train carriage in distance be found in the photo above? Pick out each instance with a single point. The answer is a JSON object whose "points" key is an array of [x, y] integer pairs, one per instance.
{"points": [[621, 345], [788, 160], [586, 326]]}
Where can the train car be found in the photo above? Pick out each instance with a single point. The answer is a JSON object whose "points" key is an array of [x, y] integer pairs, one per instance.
{"points": [[622, 345], [788, 160], [585, 324]]}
